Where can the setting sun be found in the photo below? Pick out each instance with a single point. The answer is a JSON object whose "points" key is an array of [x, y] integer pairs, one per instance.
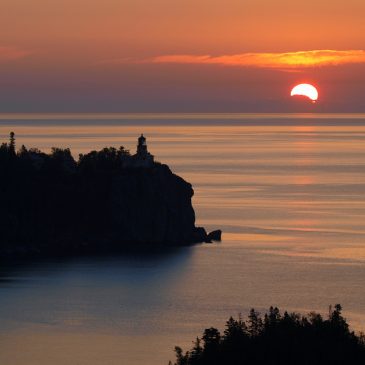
{"points": [[305, 90]]}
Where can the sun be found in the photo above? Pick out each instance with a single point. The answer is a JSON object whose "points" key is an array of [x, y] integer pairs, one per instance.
{"points": [[307, 90]]}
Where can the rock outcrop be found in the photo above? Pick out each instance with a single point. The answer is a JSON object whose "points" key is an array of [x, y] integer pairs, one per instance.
{"points": [[215, 236]]}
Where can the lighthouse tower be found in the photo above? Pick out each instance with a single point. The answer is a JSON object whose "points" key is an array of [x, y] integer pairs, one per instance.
{"points": [[142, 158], [142, 151]]}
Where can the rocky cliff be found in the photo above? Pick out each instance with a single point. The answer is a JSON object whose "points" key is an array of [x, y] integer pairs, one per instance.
{"points": [[52, 204], [156, 208]]}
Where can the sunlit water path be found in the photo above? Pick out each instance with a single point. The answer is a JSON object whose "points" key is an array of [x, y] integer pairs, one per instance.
{"points": [[289, 194]]}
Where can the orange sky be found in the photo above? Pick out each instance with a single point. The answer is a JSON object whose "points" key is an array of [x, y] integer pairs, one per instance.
{"points": [[180, 55]]}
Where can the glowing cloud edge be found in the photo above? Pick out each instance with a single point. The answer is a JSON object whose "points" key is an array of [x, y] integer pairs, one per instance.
{"points": [[281, 61]]}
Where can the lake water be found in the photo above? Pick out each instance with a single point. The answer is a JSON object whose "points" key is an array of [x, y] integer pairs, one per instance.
{"points": [[288, 191]]}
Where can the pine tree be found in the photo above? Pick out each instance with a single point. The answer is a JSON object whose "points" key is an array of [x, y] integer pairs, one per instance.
{"points": [[255, 324], [12, 143], [196, 352]]}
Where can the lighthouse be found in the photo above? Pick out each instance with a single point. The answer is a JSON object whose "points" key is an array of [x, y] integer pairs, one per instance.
{"points": [[142, 158], [142, 151]]}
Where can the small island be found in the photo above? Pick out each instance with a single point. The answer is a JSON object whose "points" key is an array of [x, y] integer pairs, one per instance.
{"points": [[107, 201]]}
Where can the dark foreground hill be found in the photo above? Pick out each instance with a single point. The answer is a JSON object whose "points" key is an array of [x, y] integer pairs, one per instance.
{"points": [[278, 339], [106, 201]]}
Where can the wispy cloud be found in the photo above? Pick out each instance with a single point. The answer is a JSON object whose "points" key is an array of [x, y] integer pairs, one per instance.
{"points": [[12, 53], [303, 59], [285, 61]]}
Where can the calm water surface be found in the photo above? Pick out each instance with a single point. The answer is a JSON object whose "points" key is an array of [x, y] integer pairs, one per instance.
{"points": [[288, 192]]}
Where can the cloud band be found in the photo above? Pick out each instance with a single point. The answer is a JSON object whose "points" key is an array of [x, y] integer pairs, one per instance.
{"points": [[12, 53], [288, 60]]}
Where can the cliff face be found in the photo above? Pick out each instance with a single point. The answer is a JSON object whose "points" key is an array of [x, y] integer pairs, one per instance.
{"points": [[62, 211], [153, 206]]}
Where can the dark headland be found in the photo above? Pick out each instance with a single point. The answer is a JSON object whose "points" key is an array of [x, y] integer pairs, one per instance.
{"points": [[107, 201]]}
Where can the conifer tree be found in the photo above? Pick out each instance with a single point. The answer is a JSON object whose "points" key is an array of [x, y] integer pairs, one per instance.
{"points": [[12, 143]]}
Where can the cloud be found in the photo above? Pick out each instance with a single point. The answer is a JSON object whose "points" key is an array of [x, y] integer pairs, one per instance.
{"points": [[12, 53], [288, 60]]}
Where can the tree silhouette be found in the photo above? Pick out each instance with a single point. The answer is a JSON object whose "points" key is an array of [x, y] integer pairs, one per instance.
{"points": [[12, 144], [278, 339], [255, 324]]}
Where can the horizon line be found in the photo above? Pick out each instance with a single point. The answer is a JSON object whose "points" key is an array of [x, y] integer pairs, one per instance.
{"points": [[174, 115]]}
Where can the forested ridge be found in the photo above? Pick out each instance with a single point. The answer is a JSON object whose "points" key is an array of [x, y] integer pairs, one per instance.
{"points": [[51, 203], [278, 339]]}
